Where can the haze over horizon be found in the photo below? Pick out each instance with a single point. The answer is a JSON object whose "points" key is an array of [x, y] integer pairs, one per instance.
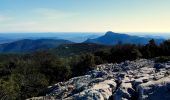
{"points": [[84, 16]]}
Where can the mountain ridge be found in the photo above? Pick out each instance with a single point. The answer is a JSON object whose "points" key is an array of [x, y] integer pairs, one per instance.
{"points": [[30, 45], [108, 39], [112, 38]]}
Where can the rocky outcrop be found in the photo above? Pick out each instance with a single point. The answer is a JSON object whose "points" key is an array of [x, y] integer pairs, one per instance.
{"points": [[98, 91], [155, 90], [130, 80]]}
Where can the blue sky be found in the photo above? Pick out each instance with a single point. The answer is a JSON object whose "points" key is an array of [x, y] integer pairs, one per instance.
{"points": [[84, 15]]}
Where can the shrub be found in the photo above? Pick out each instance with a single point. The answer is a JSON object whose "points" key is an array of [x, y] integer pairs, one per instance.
{"points": [[121, 53]]}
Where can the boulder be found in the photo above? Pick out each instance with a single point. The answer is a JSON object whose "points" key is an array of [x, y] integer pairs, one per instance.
{"points": [[155, 90], [100, 91], [42, 98], [87, 95], [97, 74], [125, 91]]}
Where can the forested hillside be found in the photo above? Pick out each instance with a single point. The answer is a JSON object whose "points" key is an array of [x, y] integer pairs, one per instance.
{"points": [[28, 75]]}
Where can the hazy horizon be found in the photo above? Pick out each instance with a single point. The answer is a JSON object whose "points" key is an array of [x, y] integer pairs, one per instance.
{"points": [[86, 35]]}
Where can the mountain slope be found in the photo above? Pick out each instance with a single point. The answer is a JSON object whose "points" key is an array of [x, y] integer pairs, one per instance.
{"points": [[28, 45], [111, 38], [66, 50]]}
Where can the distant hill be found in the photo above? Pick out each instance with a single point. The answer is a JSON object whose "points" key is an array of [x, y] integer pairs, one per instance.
{"points": [[28, 45], [77, 37], [66, 50], [111, 38], [65, 47], [6, 40]]}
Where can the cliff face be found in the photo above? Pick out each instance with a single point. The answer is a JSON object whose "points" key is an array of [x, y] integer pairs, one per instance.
{"points": [[130, 80]]}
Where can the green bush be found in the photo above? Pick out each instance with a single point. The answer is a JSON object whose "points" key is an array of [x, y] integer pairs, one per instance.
{"points": [[121, 53], [82, 64]]}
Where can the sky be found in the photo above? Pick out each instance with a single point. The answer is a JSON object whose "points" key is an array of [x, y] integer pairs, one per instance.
{"points": [[84, 15]]}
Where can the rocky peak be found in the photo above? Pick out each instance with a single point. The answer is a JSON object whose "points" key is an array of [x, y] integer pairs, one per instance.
{"points": [[109, 33]]}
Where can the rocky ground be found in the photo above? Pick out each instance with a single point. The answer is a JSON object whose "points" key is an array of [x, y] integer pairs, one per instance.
{"points": [[130, 80]]}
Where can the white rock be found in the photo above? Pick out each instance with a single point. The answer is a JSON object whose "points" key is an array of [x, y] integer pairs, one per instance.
{"points": [[155, 90]]}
